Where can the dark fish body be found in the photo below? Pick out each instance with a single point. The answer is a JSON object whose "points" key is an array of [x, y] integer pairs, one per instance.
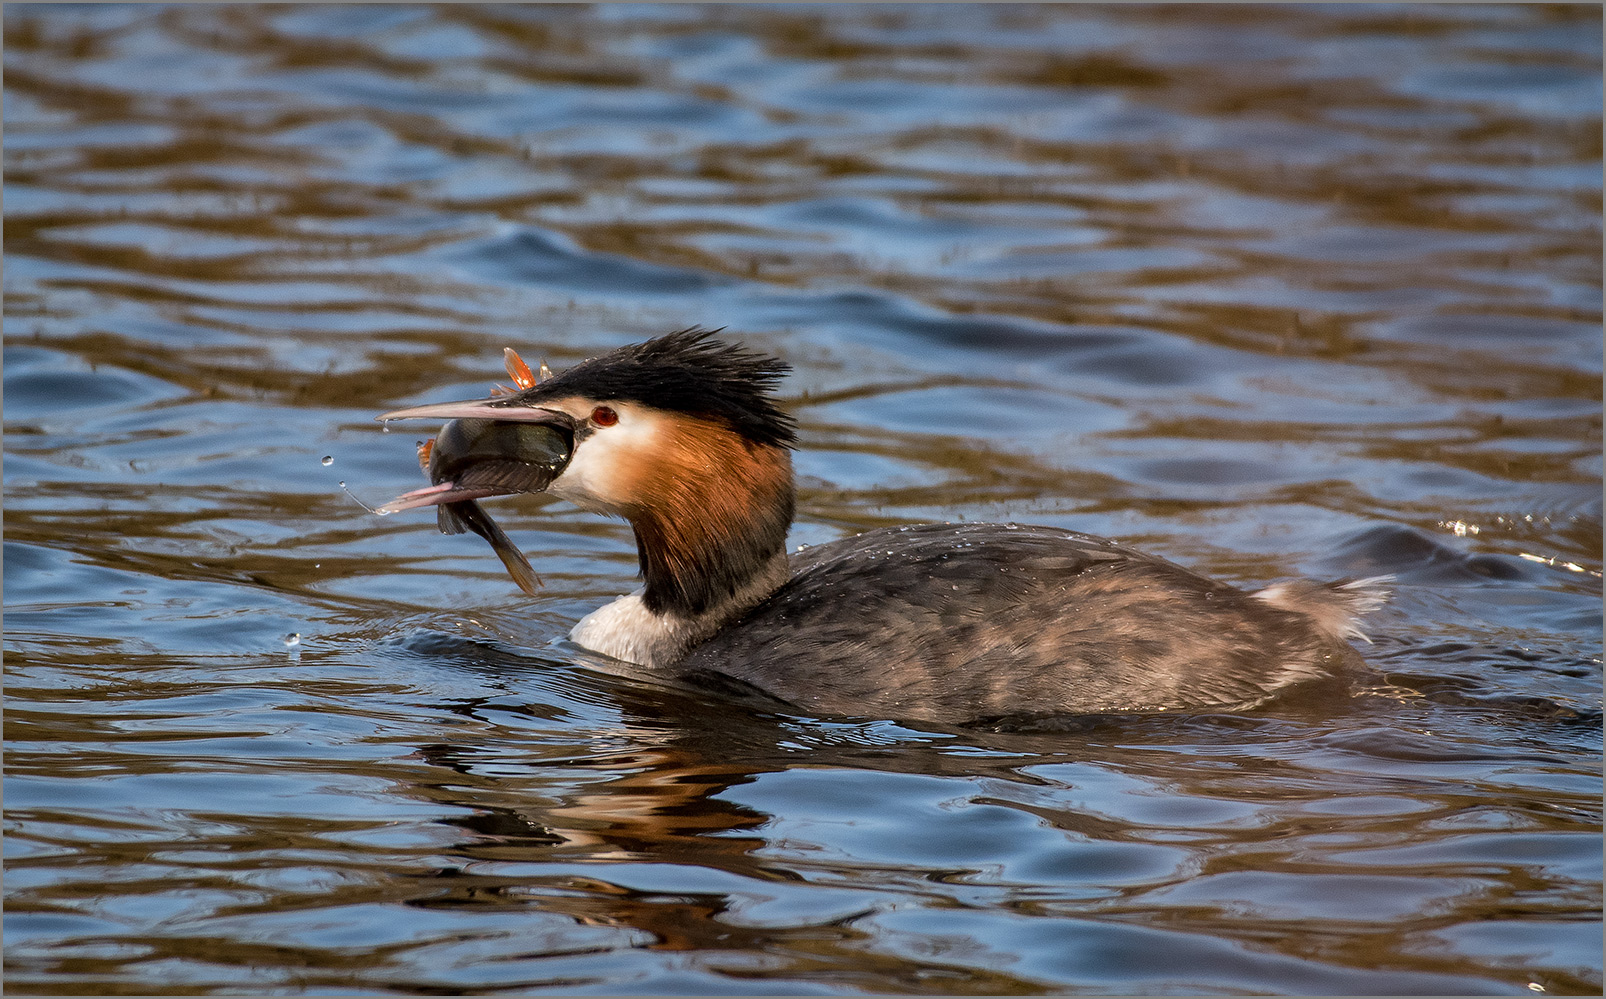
{"points": [[501, 455], [475, 454]]}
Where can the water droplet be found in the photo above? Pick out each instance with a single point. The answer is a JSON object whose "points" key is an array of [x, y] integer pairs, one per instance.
{"points": [[384, 428], [328, 460], [293, 639]]}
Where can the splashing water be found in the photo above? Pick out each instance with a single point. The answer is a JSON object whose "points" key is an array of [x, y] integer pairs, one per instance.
{"points": [[365, 506]]}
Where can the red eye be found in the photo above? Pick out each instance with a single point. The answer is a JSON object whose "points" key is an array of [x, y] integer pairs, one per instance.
{"points": [[604, 416]]}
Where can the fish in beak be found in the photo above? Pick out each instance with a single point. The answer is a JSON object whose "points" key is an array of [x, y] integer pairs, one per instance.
{"points": [[488, 447]]}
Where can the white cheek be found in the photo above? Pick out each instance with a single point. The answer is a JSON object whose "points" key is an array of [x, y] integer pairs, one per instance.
{"points": [[598, 477]]}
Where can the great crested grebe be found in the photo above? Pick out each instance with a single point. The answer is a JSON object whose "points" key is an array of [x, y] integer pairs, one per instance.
{"points": [[681, 437]]}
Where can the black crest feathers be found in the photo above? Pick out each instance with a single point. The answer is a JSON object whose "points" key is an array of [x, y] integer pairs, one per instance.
{"points": [[685, 372]]}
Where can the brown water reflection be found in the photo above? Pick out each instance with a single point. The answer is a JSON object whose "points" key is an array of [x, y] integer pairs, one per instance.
{"points": [[1269, 290]]}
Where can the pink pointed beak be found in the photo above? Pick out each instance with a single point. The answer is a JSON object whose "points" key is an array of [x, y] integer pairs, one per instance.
{"points": [[470, 464], [440, 492], [475, 409]]}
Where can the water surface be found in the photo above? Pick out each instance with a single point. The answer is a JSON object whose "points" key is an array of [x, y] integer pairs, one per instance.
{"points": [[1271, 291]]}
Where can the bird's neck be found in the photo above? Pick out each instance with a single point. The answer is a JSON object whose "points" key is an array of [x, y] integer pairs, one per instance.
{"points": [[711, 538], [626, 629], [713, 524]]}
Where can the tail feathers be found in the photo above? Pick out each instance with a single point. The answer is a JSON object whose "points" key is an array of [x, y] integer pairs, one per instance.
{"points": [[1336, 607]]}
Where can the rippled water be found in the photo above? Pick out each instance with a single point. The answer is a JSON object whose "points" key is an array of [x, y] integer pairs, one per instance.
{"points": [[1268, 290]]}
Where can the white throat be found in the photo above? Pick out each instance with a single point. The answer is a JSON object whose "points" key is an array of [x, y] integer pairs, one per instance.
{"points": [[625, 629]]}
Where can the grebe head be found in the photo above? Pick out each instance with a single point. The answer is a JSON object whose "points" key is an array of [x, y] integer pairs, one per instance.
{"points": [[678, 435]]}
